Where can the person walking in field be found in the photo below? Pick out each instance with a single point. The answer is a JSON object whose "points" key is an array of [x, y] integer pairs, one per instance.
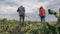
{"points": [[42, 14], [21, 11]]}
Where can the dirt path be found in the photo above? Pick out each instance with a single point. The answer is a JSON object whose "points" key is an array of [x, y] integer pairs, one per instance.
{"points": [[22, 29]]}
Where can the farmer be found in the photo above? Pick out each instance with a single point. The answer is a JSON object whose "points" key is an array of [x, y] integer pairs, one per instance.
{"points": [[21, 11], [42, 14]]}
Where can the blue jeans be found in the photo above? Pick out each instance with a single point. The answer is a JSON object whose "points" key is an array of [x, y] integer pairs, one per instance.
{"points": [[21, 21], [42, 18]]}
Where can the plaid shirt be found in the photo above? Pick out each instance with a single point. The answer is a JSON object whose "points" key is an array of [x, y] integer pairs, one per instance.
{"points": [[21, 10]]}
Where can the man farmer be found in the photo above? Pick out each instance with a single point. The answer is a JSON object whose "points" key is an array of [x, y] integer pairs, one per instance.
{"points": [[21, 11], [42, 14]]}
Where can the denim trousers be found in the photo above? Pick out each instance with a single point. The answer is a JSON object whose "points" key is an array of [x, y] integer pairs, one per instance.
{"points": [[42, 18], [21, 19]]}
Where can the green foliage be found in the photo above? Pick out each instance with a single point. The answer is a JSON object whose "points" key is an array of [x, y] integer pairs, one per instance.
{"points": [[54, 13], [12, 27], [8, 26]]}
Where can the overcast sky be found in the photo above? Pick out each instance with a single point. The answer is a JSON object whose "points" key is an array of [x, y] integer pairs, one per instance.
{"points": [[8, 8]]}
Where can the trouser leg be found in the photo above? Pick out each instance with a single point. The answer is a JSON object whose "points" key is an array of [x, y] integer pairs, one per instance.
{"points": [[20, 20], [42, 18], [23, 20]]}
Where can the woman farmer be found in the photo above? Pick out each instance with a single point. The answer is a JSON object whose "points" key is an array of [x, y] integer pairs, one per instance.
{"points": [[42, 14]]}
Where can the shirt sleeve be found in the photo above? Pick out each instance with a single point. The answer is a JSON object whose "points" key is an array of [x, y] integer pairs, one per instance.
{"points": [[17, 9]]}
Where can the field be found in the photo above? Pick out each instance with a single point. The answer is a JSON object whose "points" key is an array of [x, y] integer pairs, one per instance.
{"points": [[12, 27]]}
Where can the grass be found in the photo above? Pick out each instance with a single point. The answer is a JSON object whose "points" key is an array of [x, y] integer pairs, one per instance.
{"points": [[12, 27]]}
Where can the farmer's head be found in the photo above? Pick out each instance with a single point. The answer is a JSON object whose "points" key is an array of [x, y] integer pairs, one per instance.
{"points": [[41, 7]]}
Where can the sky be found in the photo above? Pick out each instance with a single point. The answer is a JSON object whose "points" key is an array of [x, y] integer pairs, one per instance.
{"points": [[8, 9]]}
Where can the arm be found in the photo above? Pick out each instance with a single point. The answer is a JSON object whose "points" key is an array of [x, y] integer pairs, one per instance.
{"points": [[18, 10]]}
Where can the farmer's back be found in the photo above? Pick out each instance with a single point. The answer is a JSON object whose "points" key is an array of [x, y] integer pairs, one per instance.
{"points": [[21, 10]]}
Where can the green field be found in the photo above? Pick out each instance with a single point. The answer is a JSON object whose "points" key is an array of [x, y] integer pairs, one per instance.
{"points": [[12, 27]]}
